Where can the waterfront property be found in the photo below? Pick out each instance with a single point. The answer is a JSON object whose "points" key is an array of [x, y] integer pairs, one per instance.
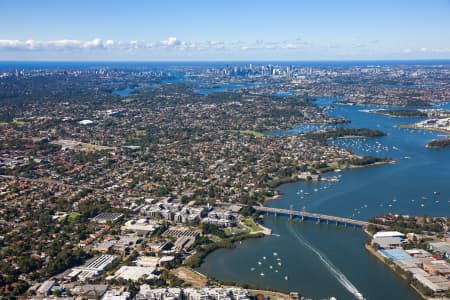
{"points": [[441, 247], [171, 156], [204, 293], [427, 272], [388, 239]]}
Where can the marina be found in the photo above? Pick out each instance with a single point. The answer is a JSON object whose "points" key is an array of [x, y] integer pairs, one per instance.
{"points": [[354, 194], [225, 150]]}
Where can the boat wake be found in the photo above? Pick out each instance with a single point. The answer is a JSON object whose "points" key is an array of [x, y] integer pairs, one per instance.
{"points": [[340, 277]]}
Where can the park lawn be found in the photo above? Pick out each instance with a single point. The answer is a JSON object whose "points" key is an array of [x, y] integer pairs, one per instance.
{"points": [[73, 216], [254, 133], [252, 225], [140, 132], [335, 165], [18, 122], [190, 276], [233, 231]]}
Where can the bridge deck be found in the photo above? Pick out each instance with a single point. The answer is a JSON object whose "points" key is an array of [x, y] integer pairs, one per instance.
{"points": [[316, 216]]}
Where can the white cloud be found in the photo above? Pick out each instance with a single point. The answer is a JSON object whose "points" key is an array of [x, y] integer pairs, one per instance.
{"points": [[407, 50], [262, 45], [109, 43], [93, 44], [55, 45], [173, 47], [216, 44], [441, 50], [289, 46], [425, 50], [9, 43], [169, 43], [172, 41]]}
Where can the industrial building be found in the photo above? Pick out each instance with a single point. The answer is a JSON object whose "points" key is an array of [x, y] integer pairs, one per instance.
{"points": [[389, 239]]}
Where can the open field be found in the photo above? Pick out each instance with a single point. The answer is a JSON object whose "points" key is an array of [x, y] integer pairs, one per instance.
{"points": [[75, 145], [196, 279], [252, 225], [271, 295], [255, 134]]}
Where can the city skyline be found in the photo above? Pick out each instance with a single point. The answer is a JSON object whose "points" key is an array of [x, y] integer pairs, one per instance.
{"points": [[225, 149], [222, 31]]}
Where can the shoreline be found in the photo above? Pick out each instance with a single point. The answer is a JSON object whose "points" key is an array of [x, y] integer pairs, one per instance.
{"points": [[353, 137], [199, 279], [439, 144], [271, 294], [288, 180], [436, 148], [412, 126], [293, 179], [378, 163], [267, 231], [264, 230], [378, 112], [383, 260]]}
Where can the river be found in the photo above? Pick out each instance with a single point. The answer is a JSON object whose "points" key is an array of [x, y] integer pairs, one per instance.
{"points": [[321, 261]]}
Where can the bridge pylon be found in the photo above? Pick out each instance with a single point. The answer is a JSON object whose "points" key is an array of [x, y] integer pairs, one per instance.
{"points": [[304, 215]]}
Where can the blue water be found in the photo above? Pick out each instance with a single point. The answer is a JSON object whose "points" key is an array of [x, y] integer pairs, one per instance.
{"points": [[124, 92], [324, 260], [321, 261], [127, 91], [283, 94], [300, 128], [225, 87], [418, 173]]}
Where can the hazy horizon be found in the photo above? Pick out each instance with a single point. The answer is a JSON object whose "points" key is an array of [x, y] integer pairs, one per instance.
{"points": [[224, 30]]}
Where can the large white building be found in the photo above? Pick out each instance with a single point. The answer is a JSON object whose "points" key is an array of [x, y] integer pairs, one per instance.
{"points": [[141, 226], [134, 273], [204, 293], [173, 212], [92, 268], [116, 295], [388, 239]]}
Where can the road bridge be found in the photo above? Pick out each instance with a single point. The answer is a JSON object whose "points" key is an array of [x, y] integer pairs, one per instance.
{"points": [[319, 218]]}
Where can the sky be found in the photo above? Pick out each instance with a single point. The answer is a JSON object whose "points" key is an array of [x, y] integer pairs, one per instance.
{"points": [[220, 30]]}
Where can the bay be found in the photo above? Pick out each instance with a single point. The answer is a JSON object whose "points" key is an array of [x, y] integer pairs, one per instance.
{"points": [[323, 260]]}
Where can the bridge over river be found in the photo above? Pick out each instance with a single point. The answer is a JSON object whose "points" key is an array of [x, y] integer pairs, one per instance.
{"points": [[304, 215]]}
